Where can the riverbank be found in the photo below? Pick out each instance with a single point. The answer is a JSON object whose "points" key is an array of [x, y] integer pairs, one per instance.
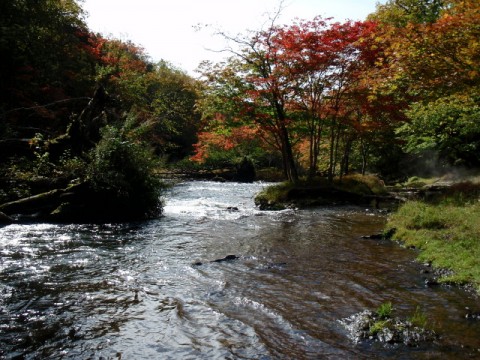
{"points": [[446, 233]]}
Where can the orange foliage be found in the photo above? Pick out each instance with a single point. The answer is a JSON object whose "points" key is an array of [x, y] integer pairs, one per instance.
{"points": [[222, 139]]}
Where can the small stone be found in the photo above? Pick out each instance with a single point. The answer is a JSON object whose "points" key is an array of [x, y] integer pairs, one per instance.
{"points": [[431, 282]]}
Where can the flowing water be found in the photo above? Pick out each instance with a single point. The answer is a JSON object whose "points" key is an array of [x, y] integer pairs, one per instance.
{"points": [[138, 291]]}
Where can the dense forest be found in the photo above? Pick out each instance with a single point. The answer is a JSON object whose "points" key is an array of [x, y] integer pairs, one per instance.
{"points": [[396, 95]]}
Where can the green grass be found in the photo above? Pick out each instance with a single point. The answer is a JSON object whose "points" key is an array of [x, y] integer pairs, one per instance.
{"points": [[384, 315], [273, 196], [385, 310], [378, 326], [383, 319], [419, 319], [447, 234], [279, 194]]}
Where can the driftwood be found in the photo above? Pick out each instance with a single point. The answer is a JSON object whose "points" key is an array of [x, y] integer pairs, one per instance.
{"points": [[82, 203], [44, 206], [32, 204], [5, 219]]}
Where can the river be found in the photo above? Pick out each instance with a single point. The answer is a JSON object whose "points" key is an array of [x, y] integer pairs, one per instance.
{"points": [[151, 290]]}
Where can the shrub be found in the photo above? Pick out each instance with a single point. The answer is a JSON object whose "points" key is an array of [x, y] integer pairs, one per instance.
{"points": [[122, 174]]}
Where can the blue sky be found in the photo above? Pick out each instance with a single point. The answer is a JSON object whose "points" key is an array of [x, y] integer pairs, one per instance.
{"points": [[168, 29]]}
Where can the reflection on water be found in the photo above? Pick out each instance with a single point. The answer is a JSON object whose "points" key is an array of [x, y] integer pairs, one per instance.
{"points": [[134, 292]]}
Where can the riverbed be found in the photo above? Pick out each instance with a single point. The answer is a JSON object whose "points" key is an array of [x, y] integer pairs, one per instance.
{"points": [[153, 290]]}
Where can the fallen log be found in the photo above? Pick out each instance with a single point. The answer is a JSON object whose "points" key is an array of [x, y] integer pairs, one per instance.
{"points": [[33, 204], [5, 219]]}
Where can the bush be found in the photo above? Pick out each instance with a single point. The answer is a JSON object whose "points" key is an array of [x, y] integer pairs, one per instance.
{"points": [[122, 174]]}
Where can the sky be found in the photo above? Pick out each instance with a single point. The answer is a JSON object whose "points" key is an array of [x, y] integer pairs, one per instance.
{"points": [[182, 31]]}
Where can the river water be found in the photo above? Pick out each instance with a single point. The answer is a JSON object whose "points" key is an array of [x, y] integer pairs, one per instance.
{"points": [[138, 291]]}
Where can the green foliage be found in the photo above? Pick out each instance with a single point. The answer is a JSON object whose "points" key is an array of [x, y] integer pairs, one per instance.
{"points": [[174, 98], [385, 310], [122, 174], [383, 320], [427, 217], [277, 192], [277, 196], [160, 95], [13, 180], [449, 126], [402, 12], [219, 158], [71, 167], [378, 326], [418, 182], [42, 164], [40, 74]]}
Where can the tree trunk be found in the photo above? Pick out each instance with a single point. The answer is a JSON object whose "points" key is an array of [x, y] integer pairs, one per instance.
{"points": [[364, 156], [332, 151], [290, 168], [288, 159], [344, 167]]}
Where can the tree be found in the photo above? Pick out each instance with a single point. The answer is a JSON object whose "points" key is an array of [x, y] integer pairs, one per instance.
{"points": [[122, 177], [43, 61], [434, 65], [159, 96], [305, 86], [223, 144], [264, 92], [447, 126], [399, 13], [67, 97], [323, 63], [173, 104]]}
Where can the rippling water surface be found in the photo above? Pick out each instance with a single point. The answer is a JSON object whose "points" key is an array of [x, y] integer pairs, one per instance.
{"points": [[136, 291]]}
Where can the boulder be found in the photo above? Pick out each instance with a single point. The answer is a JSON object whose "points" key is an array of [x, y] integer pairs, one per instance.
{"points": [[246, 171], [369, 326], [226, 258]]}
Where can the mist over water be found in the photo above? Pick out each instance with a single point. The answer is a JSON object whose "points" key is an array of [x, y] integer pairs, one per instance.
{"points": [[136, 291]]}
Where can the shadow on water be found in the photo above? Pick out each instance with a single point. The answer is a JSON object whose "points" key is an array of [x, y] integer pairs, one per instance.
{"points": [[139, 291]]}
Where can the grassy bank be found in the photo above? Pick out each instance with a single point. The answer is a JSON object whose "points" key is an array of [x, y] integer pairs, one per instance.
{"points": [[446, 233], [350, 189]]}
